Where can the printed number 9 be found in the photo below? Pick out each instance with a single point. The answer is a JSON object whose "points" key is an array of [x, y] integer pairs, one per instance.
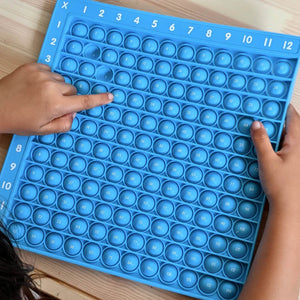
{"points": [[228, 36], [12, 166]]}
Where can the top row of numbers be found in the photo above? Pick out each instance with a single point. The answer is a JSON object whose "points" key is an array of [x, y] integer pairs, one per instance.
{"points": [[183, 28]]}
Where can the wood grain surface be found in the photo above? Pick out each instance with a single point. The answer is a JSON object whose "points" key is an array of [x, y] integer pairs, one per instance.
{"points": [[22, 28]]}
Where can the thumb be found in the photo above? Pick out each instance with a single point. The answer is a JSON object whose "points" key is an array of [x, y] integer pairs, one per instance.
{"points": [[61, 124], [261, 142]]}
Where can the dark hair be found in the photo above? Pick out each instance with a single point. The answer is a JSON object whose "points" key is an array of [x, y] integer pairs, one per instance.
{"points": [[16, 282]]}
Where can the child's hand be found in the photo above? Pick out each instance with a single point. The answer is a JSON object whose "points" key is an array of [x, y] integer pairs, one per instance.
{"points": [[33, 100], [280, 172]]}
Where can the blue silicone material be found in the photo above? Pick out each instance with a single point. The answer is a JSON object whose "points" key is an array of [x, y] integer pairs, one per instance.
{"points": [[161, 186]]}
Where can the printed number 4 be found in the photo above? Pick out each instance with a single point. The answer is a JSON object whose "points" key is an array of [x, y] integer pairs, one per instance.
{"points": [[137, 20]]}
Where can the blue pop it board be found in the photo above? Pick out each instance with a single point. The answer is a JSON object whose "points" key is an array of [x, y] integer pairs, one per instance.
{"points": [[161, 186]]}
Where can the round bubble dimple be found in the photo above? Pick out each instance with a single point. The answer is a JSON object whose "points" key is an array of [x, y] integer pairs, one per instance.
{"points": [[78, 226], [47, 197], [41, 216], [140, 82], [175, 170], [171, 109], [277, 89], [53, 178], [181, 71], [185, 132], [91, 51], [153, 105], [129, 262], [170, 189], [227, 204], [203, 218], [223, 59], [132, 42], [130, 119], [91, 251], [90, 188], [34, 173], [163, 68], [122, 217], [22, 211], [77, 164], [154, 247], [166, 128], [127, 60], [194, 94], [189, 113], [122, 78], [97, 34], [251, 105], [237, 165], [168, 273], [97, 232], [193, 175], [237, 249], [88, 127], [213, 98], [179, 233], [232, 102], [184, 213], [114, 38], [133, 179], [150, 45], [116, 237], [165, 208], [173, 252], [158, 86], [47, 139], [213, 264], [176, 90], [198, 156], [35, 236], [104, 73], [270, 128], [218, 160], [146, 203], [110, 257], [109, 193], [222, 224], [119, 155], [168, 49], [199, 75], [135, 242], [107, 132], [109, 56], [145, 64], [203, 136], [79, 29], [193, 258], [149, 268], [156, 165], [140, 222], [160, 227], [96, 111], [148, 123], [218, 244], [84, 207], [256, 85], [28, 192], [143, 142], [247, 209], [271, 109], [74, 47], [227, 290], [227, 121], [101, 151], [72, 183], [17, 230], [262, 65], [127, 198], [242, 229], [204, 56], [53, 241], [65, 202], [218, 78], [242, 145], [103, 212], [213, 179], [252, 189], [233, 269], [112, 114], [86, 69], [82, 87], [125, 137], [188, 279], [135, 100], [282, 68], [237, 82], [208, 199], [232, 184], [69, 65], [138, 160], [180, 151], [59, 221], [114, 174], [185, 52], [83, 146], [208, 284], [242, 62], [198, 238]]}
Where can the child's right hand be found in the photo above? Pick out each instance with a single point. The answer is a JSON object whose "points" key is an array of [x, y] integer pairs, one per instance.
{"points": [[280, 171]]}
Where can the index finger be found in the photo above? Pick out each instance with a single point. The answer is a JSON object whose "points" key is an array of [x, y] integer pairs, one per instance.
{"points": [[77, 103], [292, 124]]}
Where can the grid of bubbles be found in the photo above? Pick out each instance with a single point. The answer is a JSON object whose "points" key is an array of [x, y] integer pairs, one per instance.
{"points": [[162, 184]]}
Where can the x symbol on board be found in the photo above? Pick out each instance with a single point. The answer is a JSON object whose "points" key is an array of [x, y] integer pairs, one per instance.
{"points": [[65, 5]]}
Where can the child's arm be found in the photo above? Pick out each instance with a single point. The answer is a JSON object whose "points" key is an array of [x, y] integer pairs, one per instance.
{"points": [[33, 100], [275, 272]]}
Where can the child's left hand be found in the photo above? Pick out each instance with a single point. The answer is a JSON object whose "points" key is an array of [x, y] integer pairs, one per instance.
{"points": [[34, 101]]}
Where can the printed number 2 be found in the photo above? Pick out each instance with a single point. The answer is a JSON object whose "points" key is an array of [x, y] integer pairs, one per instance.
{"points": [[53, 41], [287, 45], [101, 13]]}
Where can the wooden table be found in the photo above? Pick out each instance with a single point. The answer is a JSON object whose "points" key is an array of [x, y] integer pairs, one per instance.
{"points": [[22, 28]]}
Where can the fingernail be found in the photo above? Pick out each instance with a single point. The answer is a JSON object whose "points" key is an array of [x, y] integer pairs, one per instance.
{"points": [[74, 115], [110, 96], [256, 125]]}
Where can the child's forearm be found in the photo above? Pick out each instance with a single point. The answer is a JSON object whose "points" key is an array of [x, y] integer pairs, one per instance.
{"points": [[275, 272]]}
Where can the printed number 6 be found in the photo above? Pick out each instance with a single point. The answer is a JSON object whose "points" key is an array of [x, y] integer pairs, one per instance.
{"points": [[172, 27]]}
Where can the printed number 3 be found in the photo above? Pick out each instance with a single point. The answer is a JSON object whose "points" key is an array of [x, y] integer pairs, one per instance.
{"points": [[119, 17], [48, 58]]}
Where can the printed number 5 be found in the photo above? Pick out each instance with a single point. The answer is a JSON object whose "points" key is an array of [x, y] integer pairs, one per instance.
{"points": [[154, 23]]}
